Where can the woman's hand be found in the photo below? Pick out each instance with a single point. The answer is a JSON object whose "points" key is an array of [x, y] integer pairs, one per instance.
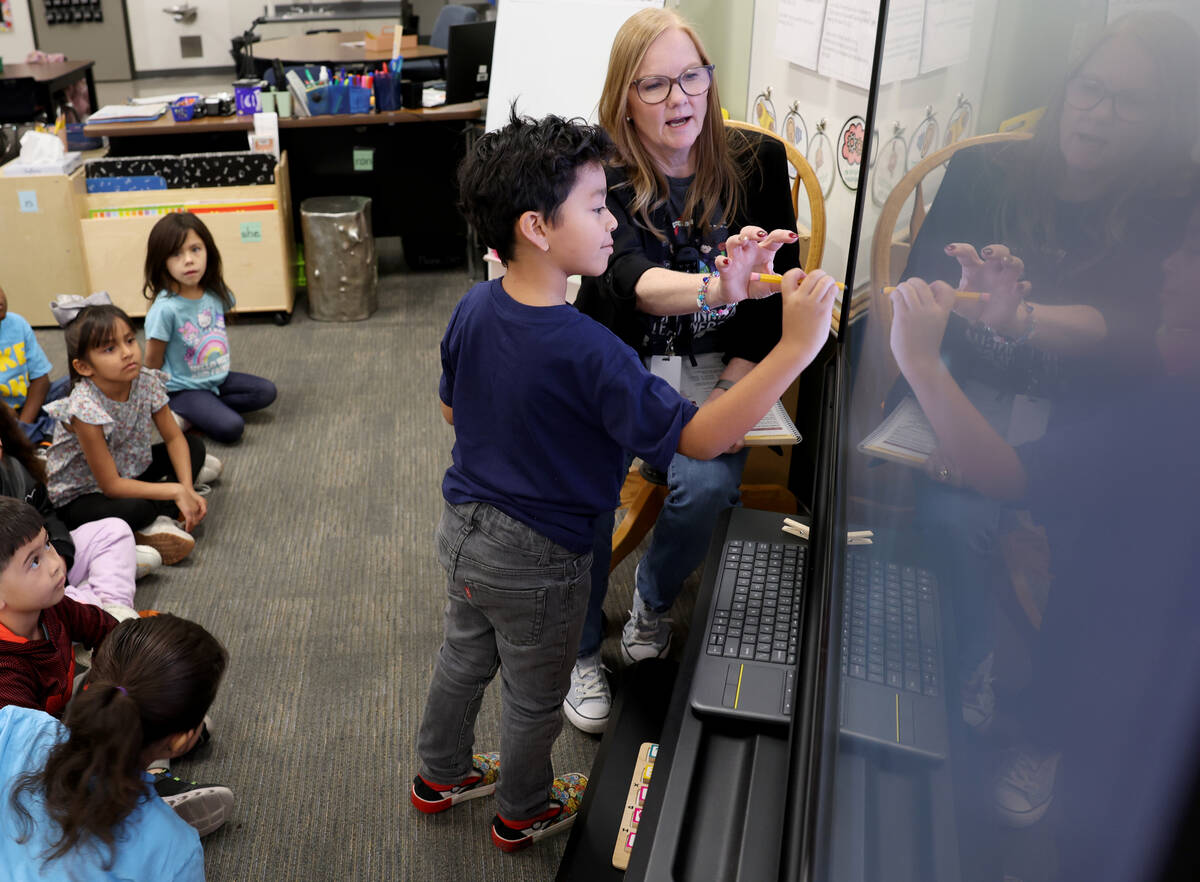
{"points": [[752, 250], [919, 316], [191, 505], [995, 272]]}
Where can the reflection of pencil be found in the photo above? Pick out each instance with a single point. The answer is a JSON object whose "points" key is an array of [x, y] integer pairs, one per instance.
{"points": [[961, 295], [774, 279]]}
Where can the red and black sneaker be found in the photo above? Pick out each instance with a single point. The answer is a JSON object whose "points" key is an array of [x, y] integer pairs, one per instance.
{"points": [[433, 798], [566, 793]]}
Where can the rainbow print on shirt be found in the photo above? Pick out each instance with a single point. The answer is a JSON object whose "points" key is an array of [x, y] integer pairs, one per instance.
{"points": [[207, 352]]}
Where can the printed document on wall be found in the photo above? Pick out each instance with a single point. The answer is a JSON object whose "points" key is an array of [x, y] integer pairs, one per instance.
{"points": [[1185, 9], [848, 41], [947, 33], [902, 43], [798, 31]]}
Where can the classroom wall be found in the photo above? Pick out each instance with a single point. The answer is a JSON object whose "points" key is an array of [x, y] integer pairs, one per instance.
{"points": [[18, 43], [726, 29]]}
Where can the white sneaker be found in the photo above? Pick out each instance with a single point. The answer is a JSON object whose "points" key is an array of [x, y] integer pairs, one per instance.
{"points": [[647, 634], [589, 700], [979, 696], [204, 490], [210, 471], [166, 536], [1024, 786], [148, 560]]}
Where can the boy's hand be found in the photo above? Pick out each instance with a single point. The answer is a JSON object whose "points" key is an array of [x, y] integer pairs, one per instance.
{"points": [[919, 316], [807, 310], [192, 507], [995, 272]]}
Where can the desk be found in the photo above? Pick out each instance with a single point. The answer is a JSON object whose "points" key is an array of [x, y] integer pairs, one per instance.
{"points": [[50, 77], [411, 178], [332, 49]]}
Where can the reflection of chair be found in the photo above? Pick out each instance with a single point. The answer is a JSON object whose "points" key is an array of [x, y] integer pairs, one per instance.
{"points": [[642, 499], [435, 68]]}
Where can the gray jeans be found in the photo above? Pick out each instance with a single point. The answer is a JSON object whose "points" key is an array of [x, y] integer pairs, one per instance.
{"points": [[515, 601]]}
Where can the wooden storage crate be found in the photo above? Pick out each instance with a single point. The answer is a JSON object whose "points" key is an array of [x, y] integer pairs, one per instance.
{"points": [[41, 252], [251, 226]]}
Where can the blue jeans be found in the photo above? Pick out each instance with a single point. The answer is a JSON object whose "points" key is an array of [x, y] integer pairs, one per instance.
{"points": [[219, 415], [515, 602], [698, 491]]}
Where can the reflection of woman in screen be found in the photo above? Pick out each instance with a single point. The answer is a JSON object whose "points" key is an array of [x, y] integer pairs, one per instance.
{"points": [[1090, 206], [683, 192], [1084, 212], [1106, 728]]}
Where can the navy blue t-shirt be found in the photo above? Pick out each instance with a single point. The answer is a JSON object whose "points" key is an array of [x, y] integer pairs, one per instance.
{"points": [[545, 402]]}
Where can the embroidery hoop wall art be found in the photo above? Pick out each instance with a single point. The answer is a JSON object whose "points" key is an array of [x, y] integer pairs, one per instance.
{"points": [[890, 167], [959, 125], [821, 157], [850, 151], [923, 138], [763, 110]]}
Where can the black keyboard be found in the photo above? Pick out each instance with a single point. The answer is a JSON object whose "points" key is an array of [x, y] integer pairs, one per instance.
{"points": [[757, 613], [889, 634]]}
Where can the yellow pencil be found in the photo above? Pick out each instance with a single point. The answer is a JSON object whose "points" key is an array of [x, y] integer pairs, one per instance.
{"points": [[772, 278], [961, 295]]}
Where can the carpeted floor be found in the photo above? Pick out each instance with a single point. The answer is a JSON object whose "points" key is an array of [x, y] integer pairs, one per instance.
{"points": [[316, 568]]}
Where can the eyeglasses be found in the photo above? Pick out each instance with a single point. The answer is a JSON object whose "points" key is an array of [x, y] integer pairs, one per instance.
{"points": [[1086, 93], [693, 81]]}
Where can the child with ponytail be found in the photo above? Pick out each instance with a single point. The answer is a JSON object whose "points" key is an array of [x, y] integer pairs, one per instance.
{"points": [[75, 800]]}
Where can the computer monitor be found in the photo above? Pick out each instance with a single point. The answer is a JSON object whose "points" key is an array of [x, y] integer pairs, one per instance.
{"points": [[469, 61]]}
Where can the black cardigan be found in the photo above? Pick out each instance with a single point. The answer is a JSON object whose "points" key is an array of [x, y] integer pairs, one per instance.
{"points": [[766, 202]]}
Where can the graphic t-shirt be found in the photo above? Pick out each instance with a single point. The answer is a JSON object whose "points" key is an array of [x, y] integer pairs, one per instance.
{"points": [[21, 360], [197, 355]]}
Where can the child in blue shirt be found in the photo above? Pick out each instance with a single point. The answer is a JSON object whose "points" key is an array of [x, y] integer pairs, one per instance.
{"points": [[185, 330], [75, 801], [25, 374], [544, 401]]}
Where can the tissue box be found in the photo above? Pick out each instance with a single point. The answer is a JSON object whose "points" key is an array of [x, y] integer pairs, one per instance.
{"points": [[64, 165]]}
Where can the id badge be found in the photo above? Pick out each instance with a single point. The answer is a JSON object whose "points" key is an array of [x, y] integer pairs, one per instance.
{"points": [[669, 367]]}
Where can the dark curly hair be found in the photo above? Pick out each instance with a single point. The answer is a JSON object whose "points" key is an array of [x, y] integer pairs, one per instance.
{"points": [[528, 165]]}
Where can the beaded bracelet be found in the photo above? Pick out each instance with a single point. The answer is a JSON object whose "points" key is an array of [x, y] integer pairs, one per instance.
{"points": [[717, 311]]}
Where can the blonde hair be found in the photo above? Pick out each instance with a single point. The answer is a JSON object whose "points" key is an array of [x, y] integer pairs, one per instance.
{"points": [[716, 166]]}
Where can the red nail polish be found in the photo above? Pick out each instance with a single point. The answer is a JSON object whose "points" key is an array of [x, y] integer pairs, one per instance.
{"points": [[761, 233], [949, 249]]}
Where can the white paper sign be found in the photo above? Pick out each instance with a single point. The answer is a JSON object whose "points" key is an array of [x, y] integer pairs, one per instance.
{"points": [[848, 41], [798, 31], [902, 46], [947, 33]]}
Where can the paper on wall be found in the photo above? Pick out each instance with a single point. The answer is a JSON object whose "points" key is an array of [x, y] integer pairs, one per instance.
{"points": [[902, 43], [947, 33], [848, 41], [798, 31]]}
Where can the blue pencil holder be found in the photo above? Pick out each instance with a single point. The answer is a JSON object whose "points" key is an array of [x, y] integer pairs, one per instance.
{"points": [[318, 100], [387, 93], [359, 99]]}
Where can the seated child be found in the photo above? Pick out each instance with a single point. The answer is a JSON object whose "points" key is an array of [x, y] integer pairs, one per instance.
{"points": [[151, 682], [25, 375], [101, 556], [38, 627], [544, 401], [185, 330], [102, 462]]}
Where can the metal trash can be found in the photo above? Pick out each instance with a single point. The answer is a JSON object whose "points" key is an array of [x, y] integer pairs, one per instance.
{"points": [[339, 251]]}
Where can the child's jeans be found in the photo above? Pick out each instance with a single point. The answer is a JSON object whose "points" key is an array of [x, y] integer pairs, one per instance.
{"points": [[219, 415], [516, 602]]}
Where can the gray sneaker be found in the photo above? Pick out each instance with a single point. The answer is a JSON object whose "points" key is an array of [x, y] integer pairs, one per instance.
{"points": [[1024, 786], [589, 699], [647, 634], [979, 696]]}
